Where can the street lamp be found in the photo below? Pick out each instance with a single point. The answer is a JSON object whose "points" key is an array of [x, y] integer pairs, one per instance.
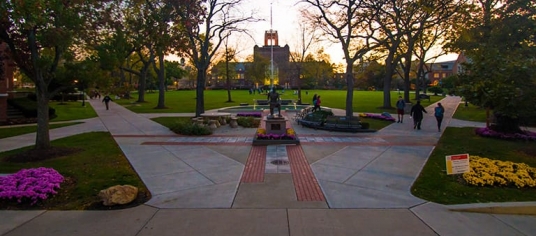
{"points": [[82, 92]]}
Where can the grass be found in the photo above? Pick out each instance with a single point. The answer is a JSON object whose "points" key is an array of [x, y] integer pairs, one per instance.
{"points": [[20, 130], [184, 100], [67, 111], [435, 185], [470, 113], [99, 165]]}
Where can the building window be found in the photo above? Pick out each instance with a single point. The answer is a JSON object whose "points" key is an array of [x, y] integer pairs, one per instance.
{"points": [[436, 75], [444, 75]]}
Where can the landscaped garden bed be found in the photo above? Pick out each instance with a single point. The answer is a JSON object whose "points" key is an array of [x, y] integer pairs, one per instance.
{"points": [[261, 138]]}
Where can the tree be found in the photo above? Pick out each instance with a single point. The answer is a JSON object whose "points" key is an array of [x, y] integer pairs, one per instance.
{"points": [[306, 39], [38, 34], [500, 73], [207, 33], [348, 23], [424, 24]]}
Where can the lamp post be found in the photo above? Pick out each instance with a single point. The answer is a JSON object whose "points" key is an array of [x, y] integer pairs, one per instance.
{"points": [[83, 96]]}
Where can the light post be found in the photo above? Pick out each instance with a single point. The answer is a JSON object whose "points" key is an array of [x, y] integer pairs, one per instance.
{"points": [[83, 96]]}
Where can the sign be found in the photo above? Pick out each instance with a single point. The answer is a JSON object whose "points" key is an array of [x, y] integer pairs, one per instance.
{"points": [[457, 164]]}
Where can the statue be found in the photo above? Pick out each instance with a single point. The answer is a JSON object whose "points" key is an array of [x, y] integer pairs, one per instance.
{"points": [[273, 100]]}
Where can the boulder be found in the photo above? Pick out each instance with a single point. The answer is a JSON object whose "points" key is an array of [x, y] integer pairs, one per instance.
{"points": [[118, 195]]}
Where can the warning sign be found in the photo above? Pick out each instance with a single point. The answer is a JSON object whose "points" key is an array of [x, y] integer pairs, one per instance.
{"points": [[457, 164]]}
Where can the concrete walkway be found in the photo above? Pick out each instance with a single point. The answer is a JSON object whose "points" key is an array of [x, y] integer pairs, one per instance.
{"points": [[196, 187]]}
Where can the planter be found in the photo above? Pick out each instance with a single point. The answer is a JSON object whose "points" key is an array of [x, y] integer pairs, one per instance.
{"points": [[265, 142]]}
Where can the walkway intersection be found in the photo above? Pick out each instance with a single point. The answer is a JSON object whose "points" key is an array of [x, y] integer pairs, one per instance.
{"points": [[335, 184]]}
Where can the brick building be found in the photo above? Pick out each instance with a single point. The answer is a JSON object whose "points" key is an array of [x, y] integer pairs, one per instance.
{"points": [[281, 56]]}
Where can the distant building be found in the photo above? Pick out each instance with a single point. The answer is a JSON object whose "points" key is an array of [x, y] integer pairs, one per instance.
{"points": [[281, 58], [441, 70]]}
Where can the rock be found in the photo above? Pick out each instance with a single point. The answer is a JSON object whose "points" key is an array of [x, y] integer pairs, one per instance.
{"points": [[118, 195]]}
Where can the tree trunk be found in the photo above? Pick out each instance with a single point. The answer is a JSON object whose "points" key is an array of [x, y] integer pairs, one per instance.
{"points": [[349, 90], [227, 75], [42, 140], [200, 97], [161, 83], [387, 82]]}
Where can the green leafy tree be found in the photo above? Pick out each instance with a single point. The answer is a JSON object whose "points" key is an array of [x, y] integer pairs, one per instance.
{"points": [[500, 73], [38, 34]]}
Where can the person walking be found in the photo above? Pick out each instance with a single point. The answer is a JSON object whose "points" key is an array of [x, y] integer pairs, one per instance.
{"points": [[400, 105], [438, 113], [317, 104], [314, 102], [417, 114], [107, 100]]}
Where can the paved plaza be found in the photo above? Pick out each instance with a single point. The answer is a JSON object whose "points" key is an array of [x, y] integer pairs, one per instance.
{"points": [[333, 183]]}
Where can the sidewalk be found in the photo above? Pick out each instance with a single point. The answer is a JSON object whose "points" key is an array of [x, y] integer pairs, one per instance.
{"points": [[197, 190]]}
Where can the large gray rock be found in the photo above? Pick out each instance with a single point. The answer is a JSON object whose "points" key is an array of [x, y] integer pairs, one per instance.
{"points": [[118, 195]]}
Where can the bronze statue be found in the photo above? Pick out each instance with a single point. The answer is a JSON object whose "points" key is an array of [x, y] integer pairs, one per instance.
{"points": [[273, 100]]}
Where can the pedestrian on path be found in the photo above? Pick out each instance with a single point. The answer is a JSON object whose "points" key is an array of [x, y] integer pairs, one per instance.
{"points": [[317, 104], [417, 114], [400, 105], [438, 113], [107, 100]]}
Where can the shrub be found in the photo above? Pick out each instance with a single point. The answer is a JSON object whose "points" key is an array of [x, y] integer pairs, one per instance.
{"points": [[30, 184], [28, 107], [187, 128], [248, 122], [435, 90], [365, 125]]}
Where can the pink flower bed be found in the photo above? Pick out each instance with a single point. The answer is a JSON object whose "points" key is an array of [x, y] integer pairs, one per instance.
{"points": [[275, 137], [486, 132], [32, 184]]}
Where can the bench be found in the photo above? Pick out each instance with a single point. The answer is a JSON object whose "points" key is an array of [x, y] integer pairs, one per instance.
{"points": [[261, 102], [424, 96], [342, 123], [300, 115]]}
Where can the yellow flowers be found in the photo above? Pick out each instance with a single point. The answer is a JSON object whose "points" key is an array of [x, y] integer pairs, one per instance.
{"points": [[261, 131], [487, 172], [290, 131]]}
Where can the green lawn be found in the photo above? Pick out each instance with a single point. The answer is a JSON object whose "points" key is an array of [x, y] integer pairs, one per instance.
{"points": [[67, 111], [20, 130], [100, 164], [470, 113], [184, 100], [435, 185]]}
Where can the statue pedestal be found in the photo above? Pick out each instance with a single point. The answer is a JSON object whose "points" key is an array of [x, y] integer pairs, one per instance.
{"points": [[275, 125]]}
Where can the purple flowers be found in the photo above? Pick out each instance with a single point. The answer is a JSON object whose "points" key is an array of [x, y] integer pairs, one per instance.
{"points": [[275, 137], [33, 184], [251, 113], [486, 132]]}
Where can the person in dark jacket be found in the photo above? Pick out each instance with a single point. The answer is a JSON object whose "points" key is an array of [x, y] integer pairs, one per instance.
{"points": [[417, 114], [438, 113], [107, 100]]}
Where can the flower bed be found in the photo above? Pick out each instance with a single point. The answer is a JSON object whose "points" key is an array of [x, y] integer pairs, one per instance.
{"points": [[262, 138], [30, 184], [486, 132], [250, 114], [377, 116], [487, 172]]}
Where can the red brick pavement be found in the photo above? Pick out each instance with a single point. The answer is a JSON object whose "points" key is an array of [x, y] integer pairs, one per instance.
{"points": [[305, 183], [254, 169]]}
